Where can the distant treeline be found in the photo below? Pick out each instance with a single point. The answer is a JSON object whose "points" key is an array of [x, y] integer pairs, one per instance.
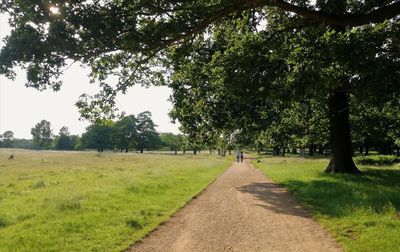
{"points": [[129, 133]]}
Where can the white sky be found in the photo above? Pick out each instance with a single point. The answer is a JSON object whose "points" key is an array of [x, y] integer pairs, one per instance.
{"points": [[21, 108]]}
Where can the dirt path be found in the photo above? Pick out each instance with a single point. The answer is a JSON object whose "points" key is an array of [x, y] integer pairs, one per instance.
{"points": [[241, 211]]}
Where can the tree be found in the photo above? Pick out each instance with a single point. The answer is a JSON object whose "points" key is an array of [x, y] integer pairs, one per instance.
{"points": [[42, 134], [131, 40], [125, 133], [147, 136], [63, 141], [98, 136], [289, 66], [7, 139], [172, 141]]}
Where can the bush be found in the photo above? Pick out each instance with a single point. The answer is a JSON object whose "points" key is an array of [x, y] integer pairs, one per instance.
{"points": [[377, 160]]}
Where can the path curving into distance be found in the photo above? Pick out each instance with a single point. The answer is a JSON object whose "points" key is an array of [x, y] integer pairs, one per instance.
{"points": [[242, 210]]}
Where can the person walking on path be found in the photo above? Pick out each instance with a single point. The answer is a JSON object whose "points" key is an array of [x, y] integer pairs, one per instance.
{"points": [[241, 156], [238, 155]]}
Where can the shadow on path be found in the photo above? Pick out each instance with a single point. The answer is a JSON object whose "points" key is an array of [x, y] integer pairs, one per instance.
{"points": [[274, 198]]}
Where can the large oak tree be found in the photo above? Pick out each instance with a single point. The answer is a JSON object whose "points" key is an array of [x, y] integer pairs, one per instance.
{"points": [[130, 39]]}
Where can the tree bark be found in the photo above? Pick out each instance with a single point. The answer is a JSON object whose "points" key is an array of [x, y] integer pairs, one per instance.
{"points": [[311, 150], [339, 129], [141, 150]]}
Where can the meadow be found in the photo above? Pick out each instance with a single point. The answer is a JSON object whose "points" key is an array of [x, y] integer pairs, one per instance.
{"points": [[361, 212], [71, 201]]}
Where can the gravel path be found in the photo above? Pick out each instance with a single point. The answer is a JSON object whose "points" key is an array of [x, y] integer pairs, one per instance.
{"points": [[241, 211]]}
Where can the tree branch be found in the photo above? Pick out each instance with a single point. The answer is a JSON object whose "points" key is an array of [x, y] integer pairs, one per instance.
{"points": [[346, 20], [375, 16]]}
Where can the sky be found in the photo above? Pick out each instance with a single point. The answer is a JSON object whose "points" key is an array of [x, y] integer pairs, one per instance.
{"points": [[21, 107]]}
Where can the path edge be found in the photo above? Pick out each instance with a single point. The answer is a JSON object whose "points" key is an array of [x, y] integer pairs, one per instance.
{"points": [[187, 203]]}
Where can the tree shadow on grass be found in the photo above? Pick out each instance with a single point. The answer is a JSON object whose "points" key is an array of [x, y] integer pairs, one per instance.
{"points": [[332, 195]]}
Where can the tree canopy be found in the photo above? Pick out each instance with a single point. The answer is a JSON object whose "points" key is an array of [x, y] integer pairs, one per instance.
{"points": [[42, 134], [243, 66], [129, 38]]}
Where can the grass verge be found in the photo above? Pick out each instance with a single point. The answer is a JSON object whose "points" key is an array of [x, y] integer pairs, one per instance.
{"points": [[362, 212], [64, 201]]}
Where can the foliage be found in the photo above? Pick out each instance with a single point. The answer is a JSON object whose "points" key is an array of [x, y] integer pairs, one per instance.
{"points": [[123, 37], [361, 212], [80, 201], [171, 141], [377, 160], [7, 139], [125, 133], [98, 136], [147, 136], [63, 141], [233, 66], [24, 144], [42, 134]]}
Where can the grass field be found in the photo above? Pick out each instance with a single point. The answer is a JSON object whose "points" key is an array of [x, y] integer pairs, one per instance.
{"points": [[64, 201], [362, 212]]}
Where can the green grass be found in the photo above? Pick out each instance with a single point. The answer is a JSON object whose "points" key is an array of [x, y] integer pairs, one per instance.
{"points": [[64, 201], [362, 212]]}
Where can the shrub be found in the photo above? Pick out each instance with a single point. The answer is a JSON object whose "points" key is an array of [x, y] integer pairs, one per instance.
{"points": [[377, 160]]}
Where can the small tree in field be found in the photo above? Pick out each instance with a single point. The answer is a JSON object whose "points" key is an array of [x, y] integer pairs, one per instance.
{"points": [[172, 141], [98, 136], [147, 136], [42, 134], [7, 139], [63, 141]]}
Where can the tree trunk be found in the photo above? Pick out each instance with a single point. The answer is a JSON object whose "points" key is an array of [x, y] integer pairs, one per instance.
{"points": [[194, 152], [230, 152], [176, 152], [361, 149], [302, 152], [126, 150], [276, 151], [321, 151], [294, 150], [141, 150], [311, 151], [219, 152], [339, 129]]}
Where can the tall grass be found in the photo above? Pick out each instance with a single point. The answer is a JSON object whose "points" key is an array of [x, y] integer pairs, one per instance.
{"points": [[362, 212], [64, 201]]}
